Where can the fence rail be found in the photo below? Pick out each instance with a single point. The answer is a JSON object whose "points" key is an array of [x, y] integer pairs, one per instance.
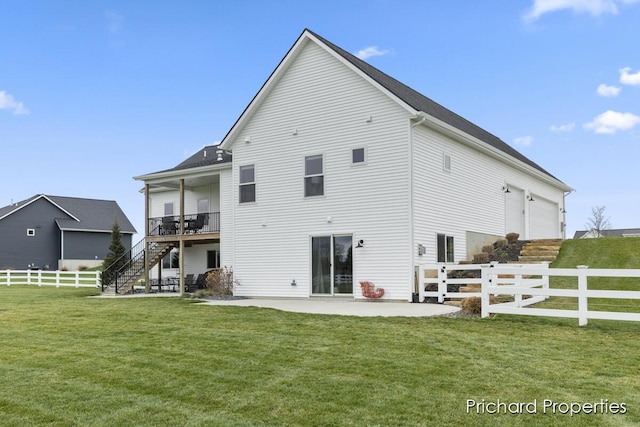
{"points": [[527, 284], [78, 279], [439, 274], [492, 285]]}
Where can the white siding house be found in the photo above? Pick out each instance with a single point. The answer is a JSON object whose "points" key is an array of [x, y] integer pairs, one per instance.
{"points": [[336, 173]]}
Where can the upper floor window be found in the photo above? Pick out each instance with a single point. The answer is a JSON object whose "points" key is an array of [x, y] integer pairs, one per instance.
{"points": [[446, 163], [357, 156], [247, 188], [168, 209], [313, 176]]}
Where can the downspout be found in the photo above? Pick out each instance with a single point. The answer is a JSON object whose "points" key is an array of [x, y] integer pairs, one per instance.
{"points": [[564, 213], [421, 117]]}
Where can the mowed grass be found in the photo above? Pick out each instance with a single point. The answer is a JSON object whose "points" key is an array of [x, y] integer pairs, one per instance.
{"points": [[607, 253], [69, 360]]}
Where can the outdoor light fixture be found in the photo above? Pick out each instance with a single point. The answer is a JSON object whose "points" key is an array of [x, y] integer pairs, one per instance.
{"points": [[505, 189], [360, 244], [529, 198]]}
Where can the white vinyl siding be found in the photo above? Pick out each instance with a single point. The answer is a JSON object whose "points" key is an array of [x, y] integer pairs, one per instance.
{"points": [[471, 199], [272, 239]]}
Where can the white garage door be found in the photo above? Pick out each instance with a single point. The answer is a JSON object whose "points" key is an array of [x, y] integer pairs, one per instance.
{"points": [[544, 219], [515, 212]]}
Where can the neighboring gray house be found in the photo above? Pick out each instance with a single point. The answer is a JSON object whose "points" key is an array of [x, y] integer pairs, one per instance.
{"points": [[51, 232], [618, 232]]}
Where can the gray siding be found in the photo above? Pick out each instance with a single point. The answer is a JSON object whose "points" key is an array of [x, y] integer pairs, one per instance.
{"points": [[17, 250], [87, 245]]}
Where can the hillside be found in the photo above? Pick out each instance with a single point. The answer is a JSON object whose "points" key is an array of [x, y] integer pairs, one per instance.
{"points": [[612, 252]]}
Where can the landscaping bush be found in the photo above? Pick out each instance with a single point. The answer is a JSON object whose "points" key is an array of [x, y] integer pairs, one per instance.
{"points": [[502, 243], [473, 305], [220, 282]]}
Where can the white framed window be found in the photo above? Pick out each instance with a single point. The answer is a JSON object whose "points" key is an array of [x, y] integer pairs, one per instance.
{"points": [[247, 186], [31, 232], [446, 162], [313, 176], [358, 156], [445, 248]]}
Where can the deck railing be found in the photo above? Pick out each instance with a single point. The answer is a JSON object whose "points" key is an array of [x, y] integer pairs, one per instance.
{"points": [[199, 223]]}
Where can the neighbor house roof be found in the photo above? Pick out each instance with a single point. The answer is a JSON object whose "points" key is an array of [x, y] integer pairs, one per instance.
{"points": [[618, 232], [408, 96], [85, 214]]}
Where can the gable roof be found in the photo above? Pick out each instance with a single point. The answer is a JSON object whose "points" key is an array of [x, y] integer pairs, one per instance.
{"points": [[206, 156], [84, 214], [413, 100]]}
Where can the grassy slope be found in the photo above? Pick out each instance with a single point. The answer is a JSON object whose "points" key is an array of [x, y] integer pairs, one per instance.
{"points": [[599, 253]]}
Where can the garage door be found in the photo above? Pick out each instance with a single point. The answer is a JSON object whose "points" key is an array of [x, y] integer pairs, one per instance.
{"points": [[515, 212], [544, 218]]}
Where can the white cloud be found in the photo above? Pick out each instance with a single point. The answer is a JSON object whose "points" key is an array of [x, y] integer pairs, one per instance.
{"points": [[370, 51], [611, 121], [115, 21], [563, 128], [593, 7], [629, 79], [7, 102], [523, 141], [608, 91]]}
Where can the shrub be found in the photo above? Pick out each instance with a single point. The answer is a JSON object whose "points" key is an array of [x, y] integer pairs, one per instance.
{"points": [[512, 237], [482, 258], [220, 282], [488, 249], [83, 268], [472, 305]]}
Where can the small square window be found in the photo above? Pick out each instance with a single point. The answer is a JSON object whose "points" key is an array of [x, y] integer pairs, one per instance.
{"points": [[31, 232], [357, 156]]}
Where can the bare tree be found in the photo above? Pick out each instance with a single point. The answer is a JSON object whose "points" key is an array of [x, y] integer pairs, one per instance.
{"points": [[598, 223]]}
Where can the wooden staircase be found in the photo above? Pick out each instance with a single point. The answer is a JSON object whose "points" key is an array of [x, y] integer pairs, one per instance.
{"points": [[537, 251]]}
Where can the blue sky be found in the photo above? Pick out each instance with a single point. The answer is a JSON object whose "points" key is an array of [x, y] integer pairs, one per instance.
{"points": [[93, 93]]}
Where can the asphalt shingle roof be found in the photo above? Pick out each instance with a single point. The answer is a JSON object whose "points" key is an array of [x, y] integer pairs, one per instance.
{"points": [[93, 215]]}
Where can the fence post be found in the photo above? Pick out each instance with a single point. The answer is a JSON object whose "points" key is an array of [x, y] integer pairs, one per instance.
{"points": [[8, 277], [77, 279], [39, 278], [517, 281], [485, 282], [442, 283], [582, 295], [57, 278], [545, 278], [420, 283]]}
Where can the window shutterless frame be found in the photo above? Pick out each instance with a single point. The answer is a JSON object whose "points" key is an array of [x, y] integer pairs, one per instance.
{"points": [[313, 176], [247, 184]]}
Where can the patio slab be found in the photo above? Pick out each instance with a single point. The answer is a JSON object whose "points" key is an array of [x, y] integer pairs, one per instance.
{"points": [[342, 307]]}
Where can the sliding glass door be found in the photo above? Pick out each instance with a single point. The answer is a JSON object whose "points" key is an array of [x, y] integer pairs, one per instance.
{"points": [[332, 265]]}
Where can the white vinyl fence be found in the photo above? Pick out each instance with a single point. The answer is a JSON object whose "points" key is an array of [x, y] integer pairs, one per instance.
{"points": [[78, 279], [527, 284], [438, 274], [493, 284]]}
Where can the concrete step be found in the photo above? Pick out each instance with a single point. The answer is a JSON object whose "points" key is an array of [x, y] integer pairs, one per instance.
{"points": [[539, 252]]}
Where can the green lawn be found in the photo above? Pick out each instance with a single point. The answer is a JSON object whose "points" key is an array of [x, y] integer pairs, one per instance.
{"points": [[68, 360], [598, 253]]}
